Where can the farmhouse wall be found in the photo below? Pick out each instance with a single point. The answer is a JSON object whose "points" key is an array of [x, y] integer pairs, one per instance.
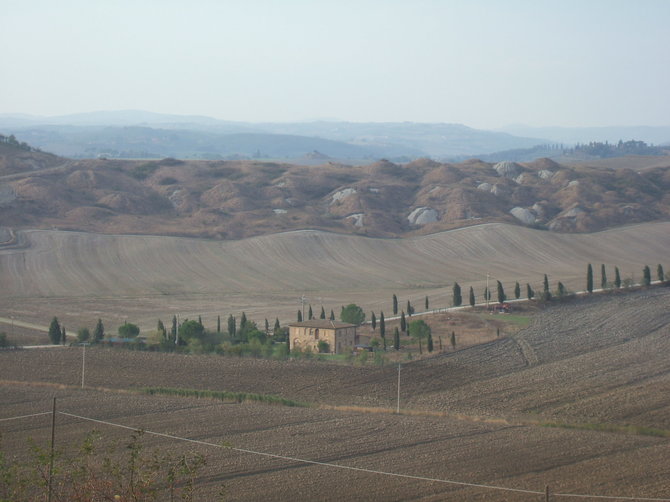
{"points": [[340, 337]]}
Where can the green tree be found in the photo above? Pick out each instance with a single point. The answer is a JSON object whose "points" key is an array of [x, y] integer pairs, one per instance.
{"points": [[160, 328], [659, 273], [129, 330], [646, 276], [403, 322], [323, 347], [332, 315], [457, 299], [277, 326], [353, 314], [200, 320], [396, 338], [243, 322], [429, 344], [589, 278], [419, 330], [323, 313], [382, 324], [55, 333], [410, 309], [472, 297], [310, 314], [452, 340], [395, 305], [561, 290], [603, 276], [218, 324], [501, 293], [426, 303], [529, 292], [373, 321], [190, 330], [617, 278], [267, 326], [99, 331], [174, 327], [487, 294], [232, 326], [517, 290], [63, 335], [546, 294], [83, 335]]}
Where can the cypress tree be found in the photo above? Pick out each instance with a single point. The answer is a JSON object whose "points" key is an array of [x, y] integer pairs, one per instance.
{"points": [[64, 334], [277, 326], [589, 278], [173, 332], [517, 290], [410, 309], [232, 328], [267, 326], [403, 323], [561, 290], [310, 314], [546, 294], [332, 315], [99, 331], [243, 323], [487, 294], [299, 316], [501, 293], [426, 304], [529, 292], [373, 320], [54, 331], [659, 273], [323, 313], [603, 276], [457, 299], [382, 324], [200, 320], [452, 340], [218, 324], [395, 305], [472, 297], [160, 328], [396, 339], [430, 342], [646, 276], [617, 278]]}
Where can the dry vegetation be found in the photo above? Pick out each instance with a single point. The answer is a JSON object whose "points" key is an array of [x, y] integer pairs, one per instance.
{"points": [[473, 415]]}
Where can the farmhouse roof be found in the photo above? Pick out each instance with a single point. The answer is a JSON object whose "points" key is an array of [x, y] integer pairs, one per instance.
{"points": [[322, 324]]}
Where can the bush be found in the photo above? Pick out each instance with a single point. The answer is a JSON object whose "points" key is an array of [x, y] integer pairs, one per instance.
{"points": [[129, 330]]}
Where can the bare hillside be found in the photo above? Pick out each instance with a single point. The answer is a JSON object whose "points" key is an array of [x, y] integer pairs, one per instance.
{"points": [[81, 276], [239, 199]]}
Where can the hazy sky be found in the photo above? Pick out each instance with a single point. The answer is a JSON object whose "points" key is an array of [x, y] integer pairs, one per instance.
{"points": [[481, 63]]}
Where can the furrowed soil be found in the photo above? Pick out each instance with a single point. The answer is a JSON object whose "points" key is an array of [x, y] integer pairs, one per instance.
{"points": [[81, 277], [474, 415]]}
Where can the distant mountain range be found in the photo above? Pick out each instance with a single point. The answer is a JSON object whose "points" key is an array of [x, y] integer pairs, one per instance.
{"points": [[141, 134]]}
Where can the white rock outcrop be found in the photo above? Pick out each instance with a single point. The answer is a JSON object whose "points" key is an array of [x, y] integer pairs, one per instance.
{"points": [[342, 194], [357, 219], [508, 169], [525, 216], [422, 216]]}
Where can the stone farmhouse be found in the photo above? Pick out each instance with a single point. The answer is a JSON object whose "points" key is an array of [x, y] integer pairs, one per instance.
{"points": [[341, 337]]}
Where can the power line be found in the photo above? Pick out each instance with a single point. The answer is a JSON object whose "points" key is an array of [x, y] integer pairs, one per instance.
{"points": [[25, 416], [361, 469]]}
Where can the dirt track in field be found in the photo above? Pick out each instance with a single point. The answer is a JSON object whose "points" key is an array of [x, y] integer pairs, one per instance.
{"points": [[80, 277], [600, 360]]}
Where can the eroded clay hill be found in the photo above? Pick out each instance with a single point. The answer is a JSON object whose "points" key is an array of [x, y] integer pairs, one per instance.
{"points": [[235, 199]]}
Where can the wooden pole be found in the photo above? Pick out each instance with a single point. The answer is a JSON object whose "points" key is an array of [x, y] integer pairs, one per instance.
{"points": [[398, 405], [546, 493], [51, 451]]}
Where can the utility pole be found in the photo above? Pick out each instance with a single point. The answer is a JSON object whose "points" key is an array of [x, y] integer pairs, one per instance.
{"points": [[83, 363], [397, 410], [303, 299], [51, 451]]}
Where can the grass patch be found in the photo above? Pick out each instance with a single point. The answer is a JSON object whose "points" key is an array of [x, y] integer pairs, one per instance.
{"points": [[518, 320], [637, 430], [223, 396]]}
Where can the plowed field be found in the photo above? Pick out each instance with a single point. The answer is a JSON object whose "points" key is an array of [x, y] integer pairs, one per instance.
{"points": [[471, 416]]}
